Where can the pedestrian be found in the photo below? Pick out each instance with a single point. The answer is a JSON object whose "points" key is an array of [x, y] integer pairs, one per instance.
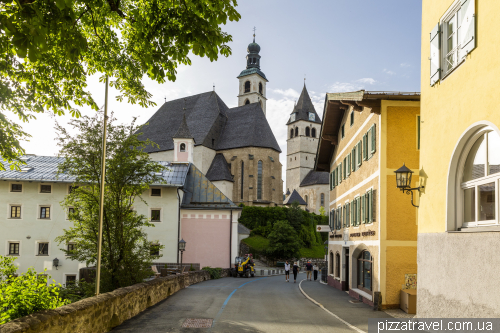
{"points": [[309, 268], [287, 271], [295, 271], [315, 269]]}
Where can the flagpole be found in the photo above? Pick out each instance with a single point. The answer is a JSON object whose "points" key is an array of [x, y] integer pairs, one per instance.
{"points": [[103, 173]]}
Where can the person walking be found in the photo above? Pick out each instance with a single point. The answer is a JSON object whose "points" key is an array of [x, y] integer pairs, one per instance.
{"points": [[295, 271], [309, 268], [315, 269], [287, 271]]}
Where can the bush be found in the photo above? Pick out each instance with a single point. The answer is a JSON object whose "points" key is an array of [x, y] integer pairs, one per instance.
{"points": [[215, 273], [191, 268], [77, 291], [283, 242]]}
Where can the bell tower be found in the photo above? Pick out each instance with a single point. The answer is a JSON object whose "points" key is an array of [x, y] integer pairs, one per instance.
{"points": [[252, 81]]}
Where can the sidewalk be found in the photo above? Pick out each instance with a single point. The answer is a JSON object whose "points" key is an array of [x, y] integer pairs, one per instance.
{"points": [[338, 302]]}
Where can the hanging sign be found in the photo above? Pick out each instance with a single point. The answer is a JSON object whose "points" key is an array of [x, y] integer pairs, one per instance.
{"points": [[323, 228]]}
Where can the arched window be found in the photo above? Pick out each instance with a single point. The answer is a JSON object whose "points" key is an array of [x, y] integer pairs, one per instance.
{"points": [[291, 133], [260, 88], [322, 199], [307, 200], [480, 180], [296, 131], [337, 266], [259, 180], [365, 271], [308, 131], [242, 177], [247, 86], [313, 132], [331, 263], [183, 147], [247, 102]]}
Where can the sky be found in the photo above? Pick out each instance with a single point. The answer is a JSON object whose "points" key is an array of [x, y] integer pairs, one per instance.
{"points": [[336, 45]]}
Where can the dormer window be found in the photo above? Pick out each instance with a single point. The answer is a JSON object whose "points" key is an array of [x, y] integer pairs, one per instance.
{"points": [[247, 86], [183, 147]]}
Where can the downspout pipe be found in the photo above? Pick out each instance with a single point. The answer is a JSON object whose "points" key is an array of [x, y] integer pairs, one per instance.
{"points": [[178, 223], [230, 236]]}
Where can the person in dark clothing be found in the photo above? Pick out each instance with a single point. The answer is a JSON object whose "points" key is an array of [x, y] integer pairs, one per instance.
{"points": [[309, 268], [295, 271], [315, 269]]}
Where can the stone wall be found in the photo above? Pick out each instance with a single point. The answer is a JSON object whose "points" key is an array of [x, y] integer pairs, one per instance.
{"points": [[102, 313]]}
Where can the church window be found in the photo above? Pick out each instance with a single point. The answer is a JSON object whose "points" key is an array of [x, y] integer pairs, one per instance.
{"points": [[313, 132], [306, 158], [183, 147], [291, 133], [247, 102], [247, 87], [260, 88], [308, 131], [296, 131], [242, 177], [307, 200], [322, 199], [259, 180]]}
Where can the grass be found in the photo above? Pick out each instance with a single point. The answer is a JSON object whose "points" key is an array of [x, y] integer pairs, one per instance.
{"points": [[260, 243]]}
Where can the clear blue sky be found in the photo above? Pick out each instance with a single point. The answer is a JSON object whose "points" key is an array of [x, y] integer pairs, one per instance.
{"points": [[340, 45]]}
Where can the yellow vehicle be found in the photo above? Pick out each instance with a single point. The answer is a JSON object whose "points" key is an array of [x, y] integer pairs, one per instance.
{"points": [[244, 266]]}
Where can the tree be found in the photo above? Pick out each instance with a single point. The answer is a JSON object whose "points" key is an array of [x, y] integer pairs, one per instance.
{"points": [[126, 257], [295, 216], [283, 241], [49, 47], [25, 294]]}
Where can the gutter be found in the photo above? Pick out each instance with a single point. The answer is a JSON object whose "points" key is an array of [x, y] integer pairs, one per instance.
{"points": [[178, 223], [230, 236]]}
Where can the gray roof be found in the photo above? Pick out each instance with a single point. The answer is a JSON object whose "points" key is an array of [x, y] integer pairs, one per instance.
{"points": [[183, 131], [201, 193], [44, 168], [211, 123], [242, 230], [219, 169], [303, 108], [295, 196], [254, 70], [247, 126], [315, 178]]}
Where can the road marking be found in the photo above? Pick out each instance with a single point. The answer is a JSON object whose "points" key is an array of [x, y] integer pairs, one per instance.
{"points": [[329, 312], [227, 300]]}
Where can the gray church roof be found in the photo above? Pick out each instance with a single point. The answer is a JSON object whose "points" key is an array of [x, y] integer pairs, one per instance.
{"points": [[295, 196], [247, 126], [249, 71], [303, 108], [315, 178], [183, 131], [211, 123], [219, 169]]}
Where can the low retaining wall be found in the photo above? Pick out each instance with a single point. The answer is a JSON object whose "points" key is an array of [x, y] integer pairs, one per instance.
{"points": [[102, 313]]}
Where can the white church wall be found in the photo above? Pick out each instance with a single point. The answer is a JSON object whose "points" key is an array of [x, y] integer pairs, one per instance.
{"points": [[226, 187], [253, 96]]}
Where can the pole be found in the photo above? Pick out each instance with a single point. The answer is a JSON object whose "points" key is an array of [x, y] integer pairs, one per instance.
{"points": [[181, 259], [101, 208]]}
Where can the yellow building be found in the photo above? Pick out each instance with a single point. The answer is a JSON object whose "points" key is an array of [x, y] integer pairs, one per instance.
{"points": [[458, 218], [365, 137]]}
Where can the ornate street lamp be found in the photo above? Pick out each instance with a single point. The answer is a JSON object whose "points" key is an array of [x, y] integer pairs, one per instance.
{"points": [[403, 182], [182, 248], [55, 263]]}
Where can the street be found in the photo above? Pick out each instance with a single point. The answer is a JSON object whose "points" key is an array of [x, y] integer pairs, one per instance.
{"points": [[260, 304]]}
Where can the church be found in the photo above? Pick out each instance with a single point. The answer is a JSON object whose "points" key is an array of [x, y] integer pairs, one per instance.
{"points": [[308, 187], [234, 147]]}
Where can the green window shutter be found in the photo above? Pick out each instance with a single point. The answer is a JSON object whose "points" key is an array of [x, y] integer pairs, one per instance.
{"points": [[352, 213], [333, 179], [365, 147], [362, 220], [370, 208], [353, 158], [467, 29], [373, 139], [358, 210], [360, 151], [435, 57], [347, 220], [340, 173], [340, 217], [344, 215]]}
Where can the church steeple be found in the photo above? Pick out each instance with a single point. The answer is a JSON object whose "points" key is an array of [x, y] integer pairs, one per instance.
{"points": [[253, 57]]}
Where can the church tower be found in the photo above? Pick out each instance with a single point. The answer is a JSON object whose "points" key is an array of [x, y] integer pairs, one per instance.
{"points": [[252, 82], [303, 131]]}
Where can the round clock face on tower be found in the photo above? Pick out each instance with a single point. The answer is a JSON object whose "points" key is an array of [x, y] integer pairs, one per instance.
{"points": [[312, 116]]}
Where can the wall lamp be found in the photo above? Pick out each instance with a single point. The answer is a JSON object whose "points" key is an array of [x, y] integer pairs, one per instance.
{"points": [[55, 263], [403, 182]]}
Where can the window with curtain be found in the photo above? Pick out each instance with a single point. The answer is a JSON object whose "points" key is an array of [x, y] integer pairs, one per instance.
{"points": [[259, 180], [365, 263]]}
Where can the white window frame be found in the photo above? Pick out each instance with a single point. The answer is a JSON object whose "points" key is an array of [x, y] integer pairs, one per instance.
{"points": [[9, 211], [358, 207], [452, 12], [70, 274], [36, 248], [155, 196], [70, 243], [7, 248], [161, 215], [40, 188], [39, 212], [15, 183]]}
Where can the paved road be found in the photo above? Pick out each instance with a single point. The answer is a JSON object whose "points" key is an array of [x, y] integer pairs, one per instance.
{"points": [[266, 304]]}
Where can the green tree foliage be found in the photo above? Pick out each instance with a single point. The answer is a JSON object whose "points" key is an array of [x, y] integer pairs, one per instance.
{"points": [[296, 216], [25, 294], [126, 257], [283, 241], [49, 47]]}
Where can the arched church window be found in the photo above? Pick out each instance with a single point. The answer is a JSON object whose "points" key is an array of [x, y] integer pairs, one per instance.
{"points": [[308, 131], [183, 147], [247, 102], [313, 132], [259, 180], [247, 86], [296, 131], [242, 177], [307, 200], [260, 88], [322, 200], [291, 133]]}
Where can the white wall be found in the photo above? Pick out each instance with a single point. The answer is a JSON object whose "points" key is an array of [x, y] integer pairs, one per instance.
{"points": [[202, 157]]}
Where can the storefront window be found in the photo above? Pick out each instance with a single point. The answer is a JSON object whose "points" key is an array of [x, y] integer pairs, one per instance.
{"points": [[365, 271]]}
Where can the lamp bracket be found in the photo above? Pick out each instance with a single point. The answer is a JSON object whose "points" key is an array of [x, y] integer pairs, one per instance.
{"points": [[409, 191]]}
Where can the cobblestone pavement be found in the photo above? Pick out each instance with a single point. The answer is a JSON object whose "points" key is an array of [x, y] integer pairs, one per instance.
{"points": [[259, 304]]}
